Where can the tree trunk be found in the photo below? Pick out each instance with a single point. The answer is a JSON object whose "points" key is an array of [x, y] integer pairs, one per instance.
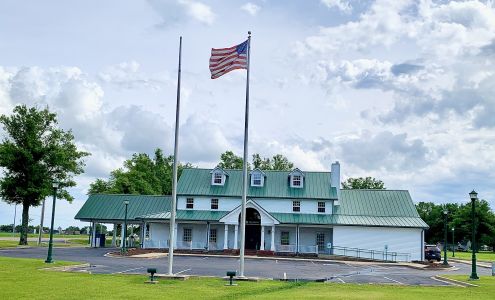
{"points": [[25, 222]]}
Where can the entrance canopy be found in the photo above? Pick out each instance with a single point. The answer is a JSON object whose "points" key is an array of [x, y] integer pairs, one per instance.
{"points": [[233, 216]]}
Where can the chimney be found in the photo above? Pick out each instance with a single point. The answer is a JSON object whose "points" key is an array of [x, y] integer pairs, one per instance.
{"points": [[335, 179]]}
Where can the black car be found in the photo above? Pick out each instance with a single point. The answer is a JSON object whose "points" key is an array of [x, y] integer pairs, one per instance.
{"points": [[432, 252]]}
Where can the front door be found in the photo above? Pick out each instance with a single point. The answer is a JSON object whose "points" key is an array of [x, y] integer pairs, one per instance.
{"points": [[253, 229]]}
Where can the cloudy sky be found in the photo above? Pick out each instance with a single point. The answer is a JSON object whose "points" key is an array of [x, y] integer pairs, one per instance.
{"points": [[399, 90]]}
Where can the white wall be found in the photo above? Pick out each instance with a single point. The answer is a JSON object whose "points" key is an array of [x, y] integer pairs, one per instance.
{"points": [[158, 235], [403, 240], [308, 206]]}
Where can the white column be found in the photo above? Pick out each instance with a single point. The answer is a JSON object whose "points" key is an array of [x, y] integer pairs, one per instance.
{"points": [[272, 245], [144, 235], [207, 236], [236, 229], [297, 238], [122, 238], [114, 237], [93, 242], [175, 235], [262, 246], [225, 237]]}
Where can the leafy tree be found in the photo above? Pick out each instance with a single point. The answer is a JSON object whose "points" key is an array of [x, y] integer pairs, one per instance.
{"points": [[363, 183], [34, 153], [140, 175], [228, 160], [277, 162]]}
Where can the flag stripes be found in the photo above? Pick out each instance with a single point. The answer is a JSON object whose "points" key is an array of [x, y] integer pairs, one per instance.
{"points": [[224, 60]]}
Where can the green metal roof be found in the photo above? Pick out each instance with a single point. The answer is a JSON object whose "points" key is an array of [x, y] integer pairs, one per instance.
{"points": [[197, 182], [190, 215], [111, 207], [289, 218], [322, 219]]}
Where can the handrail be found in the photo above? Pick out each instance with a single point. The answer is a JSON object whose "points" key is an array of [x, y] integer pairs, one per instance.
{"points": [[369, 254]]}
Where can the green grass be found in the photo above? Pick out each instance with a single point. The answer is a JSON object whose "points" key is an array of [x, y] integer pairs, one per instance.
{"points": [[480, 256], [70, 243], [24, 279], [45, 235]]}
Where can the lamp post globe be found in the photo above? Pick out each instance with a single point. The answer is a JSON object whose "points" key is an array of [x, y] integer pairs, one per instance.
{"points": [[49, 258], [445, 214], [473, 195]]}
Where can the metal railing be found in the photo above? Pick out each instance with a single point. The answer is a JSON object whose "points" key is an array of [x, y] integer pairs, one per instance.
{"points": [[368, 254], [155, 244], [295, 249]]}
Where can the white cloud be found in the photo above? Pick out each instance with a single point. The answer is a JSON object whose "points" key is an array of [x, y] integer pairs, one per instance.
{"points": [[127, 75], [251, 8], [199, 11], [342, 5]]}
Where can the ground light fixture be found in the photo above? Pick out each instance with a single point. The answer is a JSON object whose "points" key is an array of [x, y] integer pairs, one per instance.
{"points": [[445, 216], [231, 275], [473, 195], [124, 238], [49, 259], [152, 272]]}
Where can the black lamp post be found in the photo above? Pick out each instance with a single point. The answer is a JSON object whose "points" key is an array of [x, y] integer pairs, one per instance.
{"points": [[445, 214], [49, 259], [473, 195], [453, 243], [124, 238]]}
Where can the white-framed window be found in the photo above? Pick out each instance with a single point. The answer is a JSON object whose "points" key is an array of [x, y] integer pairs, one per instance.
{"points": [[213, 235], [296, 181], [296, 206], [284, 238], [320, 240], [257, 179], [187, 236], [321, 207], [190, 203], [214, 203], [217, 178]]}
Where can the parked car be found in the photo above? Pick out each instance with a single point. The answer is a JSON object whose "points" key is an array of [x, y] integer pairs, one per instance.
{"points": [[432, 252]]}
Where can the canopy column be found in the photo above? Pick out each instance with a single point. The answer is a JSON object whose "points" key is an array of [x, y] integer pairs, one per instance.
{"points": [[93, 237], [272, 245], [114, 236], [226, 237], [236, 230], [262, 245], [122, 237]]}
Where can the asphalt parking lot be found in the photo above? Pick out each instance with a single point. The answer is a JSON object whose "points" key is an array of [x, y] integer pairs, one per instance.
{"points": [[331, 271]]}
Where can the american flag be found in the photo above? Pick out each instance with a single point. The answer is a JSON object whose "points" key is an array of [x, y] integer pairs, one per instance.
{"points": [[224, 60]]}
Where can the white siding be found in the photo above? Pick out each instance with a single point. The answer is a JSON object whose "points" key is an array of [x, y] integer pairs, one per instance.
{"points": [[204, 203], [403, 240], [158, 235]]}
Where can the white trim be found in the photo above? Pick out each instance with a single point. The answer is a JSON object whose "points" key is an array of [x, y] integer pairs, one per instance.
{"points": [[233, 216]]}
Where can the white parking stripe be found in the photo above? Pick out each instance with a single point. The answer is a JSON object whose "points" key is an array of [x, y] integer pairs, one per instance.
{"points": [[182, 271], [341, 280], [128, 270], [392, 280]]}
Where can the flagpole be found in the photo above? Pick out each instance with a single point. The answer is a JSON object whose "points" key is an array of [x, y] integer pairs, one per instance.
{"points": [[172, 236], [244, 167]]}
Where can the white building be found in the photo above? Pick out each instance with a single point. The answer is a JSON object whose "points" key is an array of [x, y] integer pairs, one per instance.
{"points": [[293, 212]]}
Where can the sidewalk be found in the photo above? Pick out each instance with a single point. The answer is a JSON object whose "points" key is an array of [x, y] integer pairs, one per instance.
{"points": [[468, 262]]}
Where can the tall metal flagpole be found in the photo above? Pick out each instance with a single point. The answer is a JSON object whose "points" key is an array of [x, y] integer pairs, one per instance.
{"points": [[174, 184], [244, 167]]}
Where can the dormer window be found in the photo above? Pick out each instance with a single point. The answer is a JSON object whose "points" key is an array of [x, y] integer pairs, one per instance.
{"points": [[296, 179], [257, 178], [218, 176]]}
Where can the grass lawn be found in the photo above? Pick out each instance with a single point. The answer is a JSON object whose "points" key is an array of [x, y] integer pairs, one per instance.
{"points": [[23, 279], [45, 235], [480, 256], [70, 243]]}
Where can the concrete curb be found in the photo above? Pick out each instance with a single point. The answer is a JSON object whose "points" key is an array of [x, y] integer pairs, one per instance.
{"points": [[454, 282], [348, 262], [467, 262]]}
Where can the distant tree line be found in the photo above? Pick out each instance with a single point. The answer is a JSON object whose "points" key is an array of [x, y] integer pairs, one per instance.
{"points": [[459, 218]]}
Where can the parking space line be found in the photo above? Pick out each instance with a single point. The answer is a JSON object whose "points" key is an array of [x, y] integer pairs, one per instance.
{"points": [[182, 271], [128, 270], [392, 280], [341, 280]]}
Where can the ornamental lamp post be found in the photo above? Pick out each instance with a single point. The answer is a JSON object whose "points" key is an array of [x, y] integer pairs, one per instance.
{"points": [[49, 259], [473, 195], [124, 238], [445, 214], [453, 243]]}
